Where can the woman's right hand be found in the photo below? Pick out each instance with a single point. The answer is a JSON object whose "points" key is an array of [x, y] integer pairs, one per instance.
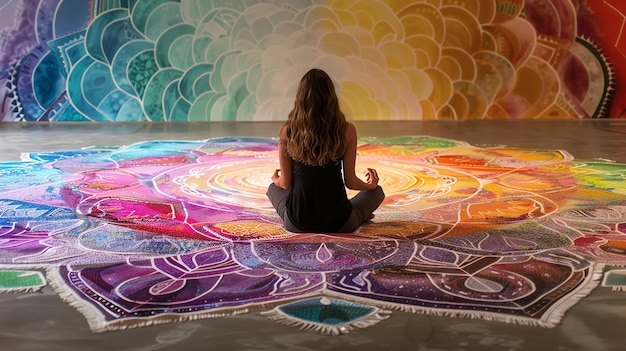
{"points": [[372, 178]]}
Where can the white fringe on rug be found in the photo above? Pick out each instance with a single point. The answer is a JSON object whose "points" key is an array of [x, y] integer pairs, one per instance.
{"points": [[549, 320], [381, 310], [98, 324]]}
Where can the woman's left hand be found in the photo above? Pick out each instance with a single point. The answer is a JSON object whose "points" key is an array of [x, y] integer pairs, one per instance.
{"points": [[276, 176]]}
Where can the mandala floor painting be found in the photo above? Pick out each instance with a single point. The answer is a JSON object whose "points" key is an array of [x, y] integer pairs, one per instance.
{"points": [[168, 230]]}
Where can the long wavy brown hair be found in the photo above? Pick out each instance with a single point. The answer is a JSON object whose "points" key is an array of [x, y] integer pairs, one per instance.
{"points": [[316, 126]]}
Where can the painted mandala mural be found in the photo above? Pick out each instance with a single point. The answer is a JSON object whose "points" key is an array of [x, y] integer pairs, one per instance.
{"points": [[220, 60], [163, 231]]}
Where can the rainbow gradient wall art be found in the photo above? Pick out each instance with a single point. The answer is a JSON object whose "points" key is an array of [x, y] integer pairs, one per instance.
{"points": [[198, 60]]}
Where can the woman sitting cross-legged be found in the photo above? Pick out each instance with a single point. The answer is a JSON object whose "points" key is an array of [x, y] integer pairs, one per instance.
{"points": [[309, 190]]}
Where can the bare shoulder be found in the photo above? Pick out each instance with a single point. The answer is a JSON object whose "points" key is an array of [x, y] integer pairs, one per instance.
{"points": [[350, 131], [282, 132]]}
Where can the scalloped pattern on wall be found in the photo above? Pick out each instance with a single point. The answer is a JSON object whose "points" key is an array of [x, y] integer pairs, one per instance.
{"points": [[194, 60]]}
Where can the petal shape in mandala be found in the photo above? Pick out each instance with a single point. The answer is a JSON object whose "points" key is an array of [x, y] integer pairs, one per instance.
{"points": [[521, 238], [328, 253], [518, 290], [482, 284], [17, 211], [19, 240], [118, 293], [327, 315]]}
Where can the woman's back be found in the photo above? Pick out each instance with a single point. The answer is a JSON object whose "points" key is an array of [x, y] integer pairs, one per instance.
{"points": [[317, 199]]}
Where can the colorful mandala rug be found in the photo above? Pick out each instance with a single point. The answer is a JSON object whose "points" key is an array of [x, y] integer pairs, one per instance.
{"points": [[167, 231]]}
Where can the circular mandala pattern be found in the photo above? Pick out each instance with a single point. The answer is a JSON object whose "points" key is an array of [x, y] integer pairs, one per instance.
{"points": [[409, 187], [242, 183], [158, 229]]}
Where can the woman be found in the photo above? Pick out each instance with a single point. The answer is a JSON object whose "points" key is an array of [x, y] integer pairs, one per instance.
{"points": [[308, 191]]}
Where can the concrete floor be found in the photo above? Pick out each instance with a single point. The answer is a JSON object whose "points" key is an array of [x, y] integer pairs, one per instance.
{"points": [[41, 321]]}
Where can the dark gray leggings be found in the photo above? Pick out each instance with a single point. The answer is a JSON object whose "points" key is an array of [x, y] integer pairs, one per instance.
{"points": [[363, 205]]}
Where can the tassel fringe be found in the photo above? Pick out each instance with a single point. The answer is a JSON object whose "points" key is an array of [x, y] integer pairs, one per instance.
{"points": [[97, 322]]}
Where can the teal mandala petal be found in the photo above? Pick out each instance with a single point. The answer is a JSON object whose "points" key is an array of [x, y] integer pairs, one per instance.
{"points": [[140, 70], [164, 45], [142, 11], [195, 81], [181, 55], [180, 111], [163, 17], [99, 76], [95, 33], [327, 315], [124, 65], [154, 97], [115, 35], [200, 107]]}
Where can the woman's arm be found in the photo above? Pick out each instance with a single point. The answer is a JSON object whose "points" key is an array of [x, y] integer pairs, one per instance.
{"points": [[349, 165], [282, 177]]}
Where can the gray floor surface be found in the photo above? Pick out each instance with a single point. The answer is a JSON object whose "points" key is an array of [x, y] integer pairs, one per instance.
{"points": [[42, 321]]}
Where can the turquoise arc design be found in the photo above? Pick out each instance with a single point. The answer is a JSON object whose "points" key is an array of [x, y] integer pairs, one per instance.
{"points": [[172, 230], [327, 315]]}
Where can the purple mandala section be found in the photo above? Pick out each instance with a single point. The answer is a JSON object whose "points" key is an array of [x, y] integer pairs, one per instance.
{"points": [[172, 230]]}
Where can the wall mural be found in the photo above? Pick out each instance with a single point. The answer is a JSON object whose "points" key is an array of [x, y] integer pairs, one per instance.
{"points": [[220, 60]]}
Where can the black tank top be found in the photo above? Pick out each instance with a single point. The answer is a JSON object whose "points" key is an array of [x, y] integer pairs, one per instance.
{"points": [[317, 199]]}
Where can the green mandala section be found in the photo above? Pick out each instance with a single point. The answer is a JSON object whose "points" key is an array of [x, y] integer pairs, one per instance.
{"points": [[20, 280]]}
